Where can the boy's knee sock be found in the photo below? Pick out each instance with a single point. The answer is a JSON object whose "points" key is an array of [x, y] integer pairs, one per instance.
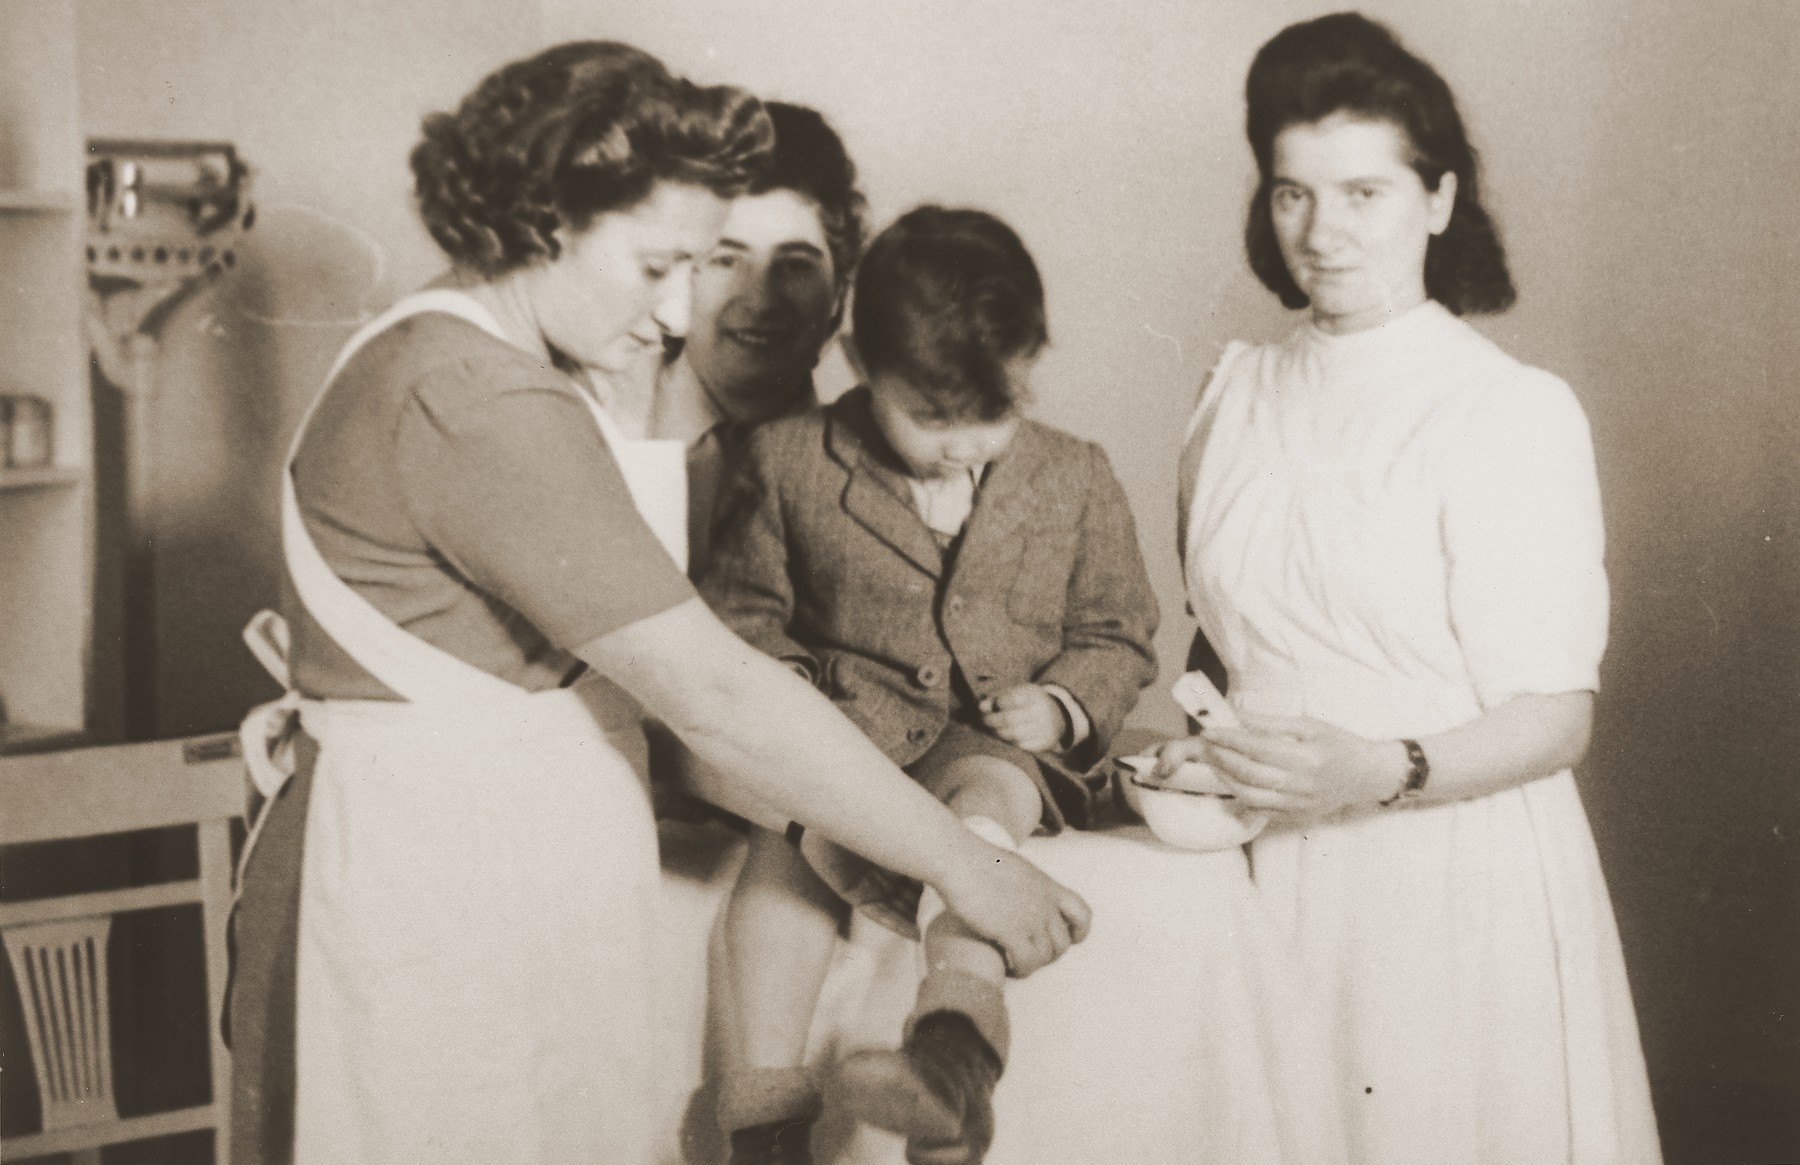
{"points": [[760, 1096], [938, 1090], [982, 1000], [931, 904], [946, 988]]}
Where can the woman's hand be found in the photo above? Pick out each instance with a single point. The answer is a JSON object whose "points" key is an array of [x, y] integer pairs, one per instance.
{"points": [[1177, 752], [1298, 765], [1303, 766], [1026, 716], [1014, 905]]}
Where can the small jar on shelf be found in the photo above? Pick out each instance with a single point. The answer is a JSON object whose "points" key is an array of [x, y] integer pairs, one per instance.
{"points": [[26, 424]]}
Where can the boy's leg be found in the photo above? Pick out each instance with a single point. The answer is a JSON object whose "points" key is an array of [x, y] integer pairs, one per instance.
{"points": [[780, 925], [938, 1089]]}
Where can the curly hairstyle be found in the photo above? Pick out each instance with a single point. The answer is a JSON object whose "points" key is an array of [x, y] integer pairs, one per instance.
{"points": [[1347, 63], [549, 143], [810, 160], [947, 299]]}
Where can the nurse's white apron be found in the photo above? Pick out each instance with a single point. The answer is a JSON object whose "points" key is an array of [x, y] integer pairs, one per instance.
{"points": [[475, 964]]}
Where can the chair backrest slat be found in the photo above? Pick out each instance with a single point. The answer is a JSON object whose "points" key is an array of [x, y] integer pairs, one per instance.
{"points": [[59, 961]]}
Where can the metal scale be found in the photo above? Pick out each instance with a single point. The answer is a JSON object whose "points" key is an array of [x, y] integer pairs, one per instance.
{"points": [[164, 219]]}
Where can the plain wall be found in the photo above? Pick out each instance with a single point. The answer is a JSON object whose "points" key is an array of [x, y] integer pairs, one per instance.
{"points": [[1682, 328], [1639, 156]]}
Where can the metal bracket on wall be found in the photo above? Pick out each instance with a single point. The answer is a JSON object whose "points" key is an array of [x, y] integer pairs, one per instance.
{"points": [[163, 219]]}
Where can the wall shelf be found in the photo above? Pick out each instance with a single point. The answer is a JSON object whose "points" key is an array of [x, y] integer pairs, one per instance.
{"points": [[48, 477], [17, 738], [38, 202], [46, 514]]}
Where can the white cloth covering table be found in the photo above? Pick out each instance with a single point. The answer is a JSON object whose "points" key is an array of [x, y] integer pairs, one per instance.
{"points": [[1178, 1034]]}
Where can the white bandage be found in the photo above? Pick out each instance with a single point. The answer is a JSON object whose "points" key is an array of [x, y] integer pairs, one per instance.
{"points": [[931, 903]]}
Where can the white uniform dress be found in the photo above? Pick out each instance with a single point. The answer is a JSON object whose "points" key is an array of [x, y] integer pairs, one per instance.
{"points": [[1395, 531]]}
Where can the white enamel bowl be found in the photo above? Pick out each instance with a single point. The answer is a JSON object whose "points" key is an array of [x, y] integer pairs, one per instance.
{"points": [[1193, 810]]}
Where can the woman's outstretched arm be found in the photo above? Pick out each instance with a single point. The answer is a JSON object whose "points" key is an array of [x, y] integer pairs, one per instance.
{"points": [[763, 727]]}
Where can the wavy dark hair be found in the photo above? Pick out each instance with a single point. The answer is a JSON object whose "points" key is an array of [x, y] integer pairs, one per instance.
{"points": [[551, 142], [1347, 63], [810, 159], [946, 299]]}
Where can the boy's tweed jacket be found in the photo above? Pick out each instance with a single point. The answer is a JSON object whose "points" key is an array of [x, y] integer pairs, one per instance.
{"points": [[820, 558]]}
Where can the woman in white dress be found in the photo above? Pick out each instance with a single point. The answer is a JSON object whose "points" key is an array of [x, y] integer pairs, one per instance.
{"points": [[1392, 537]]}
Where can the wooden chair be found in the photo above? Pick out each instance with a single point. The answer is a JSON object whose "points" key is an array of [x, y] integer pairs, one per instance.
{"points": [[57, 945]]}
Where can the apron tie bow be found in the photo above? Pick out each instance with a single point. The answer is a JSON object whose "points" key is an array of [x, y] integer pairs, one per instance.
{"points": [[269, 732]]}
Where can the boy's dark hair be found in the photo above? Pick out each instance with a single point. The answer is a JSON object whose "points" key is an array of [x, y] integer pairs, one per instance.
{"points": [[1347, 63], [810, 159], [551, 142], [946, 299]]}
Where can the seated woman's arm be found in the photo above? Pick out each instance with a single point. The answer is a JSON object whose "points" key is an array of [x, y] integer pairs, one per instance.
{"points": [[759, 724]]}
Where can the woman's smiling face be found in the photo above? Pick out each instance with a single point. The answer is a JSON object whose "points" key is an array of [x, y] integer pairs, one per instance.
{"points": [[1353, 218], [765, 299]]}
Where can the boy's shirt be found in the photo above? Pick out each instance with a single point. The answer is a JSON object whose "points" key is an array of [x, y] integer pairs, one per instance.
{"points": [[826, 558], [945, 503]]}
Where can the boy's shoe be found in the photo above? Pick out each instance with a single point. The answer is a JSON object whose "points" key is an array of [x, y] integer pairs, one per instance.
{"points": [[1084, 799], [767, 1115], [784, 1142], [937, 1091]]}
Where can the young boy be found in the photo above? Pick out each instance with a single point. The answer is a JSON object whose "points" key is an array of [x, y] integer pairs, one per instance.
{"points": [[967, 586]]}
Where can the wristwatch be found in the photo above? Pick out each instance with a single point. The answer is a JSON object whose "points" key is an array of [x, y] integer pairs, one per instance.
{"points": [[1418, 771]]}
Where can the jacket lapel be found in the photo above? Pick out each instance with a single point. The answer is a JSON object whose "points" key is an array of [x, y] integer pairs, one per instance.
{"points": [[877, 495], [1008, 495]]}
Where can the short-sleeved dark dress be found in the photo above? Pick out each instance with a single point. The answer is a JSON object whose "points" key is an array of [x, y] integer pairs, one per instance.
{"points": [[459, 485]]}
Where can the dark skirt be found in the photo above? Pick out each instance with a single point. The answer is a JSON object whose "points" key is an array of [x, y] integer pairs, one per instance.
{"points": [[259, 1005]]}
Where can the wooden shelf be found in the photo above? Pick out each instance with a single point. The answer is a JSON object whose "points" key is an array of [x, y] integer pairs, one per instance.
{"points": [[47, 537], [38, 201], [19, 738], [46, 477]]}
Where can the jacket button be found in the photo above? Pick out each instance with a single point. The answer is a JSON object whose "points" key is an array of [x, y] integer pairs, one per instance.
{"points": [[954, 603], [928, 676], [916, 735]]}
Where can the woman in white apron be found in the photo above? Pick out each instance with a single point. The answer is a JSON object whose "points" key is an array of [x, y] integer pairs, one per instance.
{"points": [[481, 567], [1393, 538]]}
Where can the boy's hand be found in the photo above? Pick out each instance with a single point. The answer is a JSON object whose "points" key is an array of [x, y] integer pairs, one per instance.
{"points": [[1026, 716]]}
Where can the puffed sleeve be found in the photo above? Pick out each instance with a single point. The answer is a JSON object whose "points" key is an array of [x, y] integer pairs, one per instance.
{"points": [[1524, 542], [1193, 443], [518, 492]]}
